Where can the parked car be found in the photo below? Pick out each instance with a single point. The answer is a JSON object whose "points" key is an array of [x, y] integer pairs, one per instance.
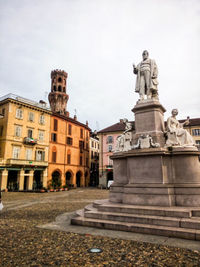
{"points": [[109, 183]]}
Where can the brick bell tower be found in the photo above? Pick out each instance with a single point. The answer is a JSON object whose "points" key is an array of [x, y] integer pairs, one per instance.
{"points": [[58, 97]]}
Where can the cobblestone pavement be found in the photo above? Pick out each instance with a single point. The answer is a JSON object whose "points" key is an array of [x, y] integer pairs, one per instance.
{"points": [[22, 243]]}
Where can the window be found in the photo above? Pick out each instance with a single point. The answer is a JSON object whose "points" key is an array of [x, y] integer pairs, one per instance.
{"points": [[18, 130], [3, 111], [59, 80], [109, 139], [29, 154], [16, 152], [110, 148], [41, 135], [197, 142], [42, 119], [69, 141], [40, 155], [81, 133], [81, 145], [69, 129], [87, 137], [92, 154], [196, 132], [53, 156], [68, 158], [1, 130], [19, 113], [87, 162], [87, 146], [55, 125], [31, 116], [30, 133], [92, 143], [59, 88], [54, 137], [81, 160]]}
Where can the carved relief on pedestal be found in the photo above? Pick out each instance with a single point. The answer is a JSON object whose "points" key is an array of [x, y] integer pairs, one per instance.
{"points": [[145, 141]]}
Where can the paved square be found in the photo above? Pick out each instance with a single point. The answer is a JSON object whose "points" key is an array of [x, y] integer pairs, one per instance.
{"points": [[23, 243]]}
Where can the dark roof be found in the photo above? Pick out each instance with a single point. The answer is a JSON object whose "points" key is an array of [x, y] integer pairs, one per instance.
{"points": [[193, 122], [117, 127], [71, 120]]}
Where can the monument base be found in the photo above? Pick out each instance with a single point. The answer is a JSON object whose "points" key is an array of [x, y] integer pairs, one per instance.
{"points": [[166, 221], [156, 189], [157, 177]]}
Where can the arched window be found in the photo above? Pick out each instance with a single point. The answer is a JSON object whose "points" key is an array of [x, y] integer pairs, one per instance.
{"points": [[59, 88], [59, 79]]}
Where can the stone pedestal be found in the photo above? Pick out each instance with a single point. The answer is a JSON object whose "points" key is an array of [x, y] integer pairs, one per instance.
{"points": [[149, 119], [157, 177]]}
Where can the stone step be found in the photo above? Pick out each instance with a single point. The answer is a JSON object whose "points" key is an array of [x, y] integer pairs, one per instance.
{"points": [[177, 212], [192, 223], [138, 228]]}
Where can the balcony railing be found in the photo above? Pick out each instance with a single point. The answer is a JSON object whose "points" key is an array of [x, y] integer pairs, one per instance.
{"points": [[27, 162], [30, 141]]}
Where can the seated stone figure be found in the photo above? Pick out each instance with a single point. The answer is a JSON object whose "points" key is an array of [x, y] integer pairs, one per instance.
{"points": [[176, 135]]}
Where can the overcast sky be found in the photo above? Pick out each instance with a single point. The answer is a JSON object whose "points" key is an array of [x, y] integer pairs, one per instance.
{"points": [[96, 42]]}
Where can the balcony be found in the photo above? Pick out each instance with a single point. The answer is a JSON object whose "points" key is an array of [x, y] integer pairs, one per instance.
{"points": [[27, 162], [30, 141]]}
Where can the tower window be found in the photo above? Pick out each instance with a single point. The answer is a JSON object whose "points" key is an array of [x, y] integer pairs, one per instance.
{"points": [[59, 88], [54, 88], [63, 89], [59, 80]]}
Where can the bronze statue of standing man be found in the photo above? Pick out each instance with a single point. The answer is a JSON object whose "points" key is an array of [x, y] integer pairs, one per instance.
{"points": [[146, 82]]}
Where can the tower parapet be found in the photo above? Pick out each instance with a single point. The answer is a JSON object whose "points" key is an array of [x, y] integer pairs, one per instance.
{"points": [[58, 97]]}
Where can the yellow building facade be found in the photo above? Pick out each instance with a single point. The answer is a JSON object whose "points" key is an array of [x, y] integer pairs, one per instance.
{"points": [[24, 143]]}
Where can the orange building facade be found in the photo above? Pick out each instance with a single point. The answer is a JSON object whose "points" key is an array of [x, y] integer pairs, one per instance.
{"points": [[69, 140], [68, 153]]}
